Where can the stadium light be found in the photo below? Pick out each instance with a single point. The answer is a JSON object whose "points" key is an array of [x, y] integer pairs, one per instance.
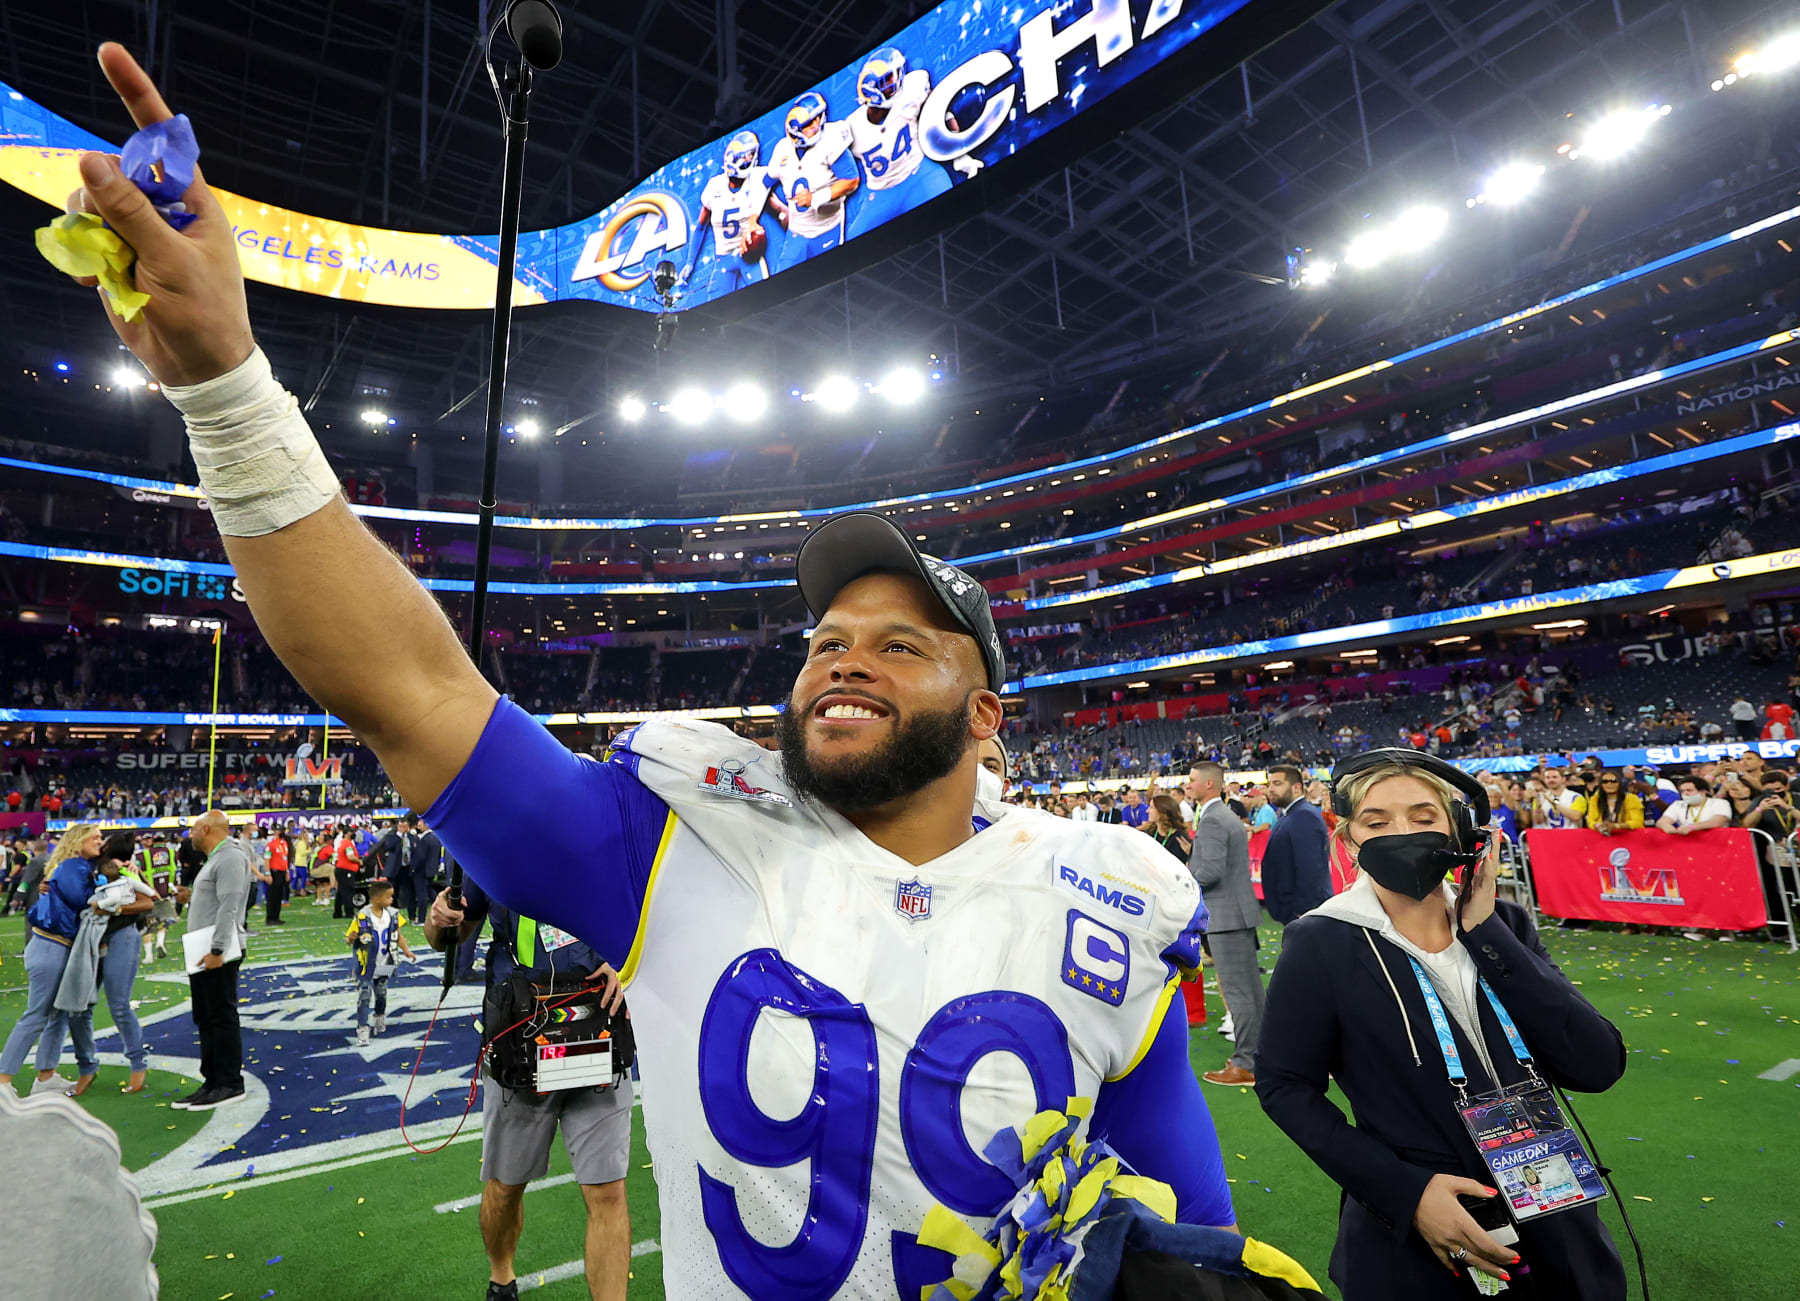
{"points": [[1511, 184], [1413, 229], [527, 428], [745, 402], [903, 385], [128, 377], [1778, 55], [631, 409], [1317, 274], [1618, 133], [835, 393], [1417, 227], [374, 416], [691, 406]]}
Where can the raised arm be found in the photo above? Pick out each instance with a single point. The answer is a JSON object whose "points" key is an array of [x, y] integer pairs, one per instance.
{"points": [[297, 549]]}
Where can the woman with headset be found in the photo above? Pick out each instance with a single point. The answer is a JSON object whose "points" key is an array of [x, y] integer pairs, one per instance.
{"points": [[1432, 1010]]}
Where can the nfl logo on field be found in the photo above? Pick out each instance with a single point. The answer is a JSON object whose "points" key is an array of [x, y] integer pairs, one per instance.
{"points": [[912, 900]]}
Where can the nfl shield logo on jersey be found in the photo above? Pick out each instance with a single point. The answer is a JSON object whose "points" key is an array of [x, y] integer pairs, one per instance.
{"points": [[912, 900]]}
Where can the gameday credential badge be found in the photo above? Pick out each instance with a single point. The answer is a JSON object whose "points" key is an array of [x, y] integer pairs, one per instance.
{"points": [[912, 900]]}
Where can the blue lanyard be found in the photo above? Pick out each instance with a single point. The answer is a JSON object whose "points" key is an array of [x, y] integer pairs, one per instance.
{"points": [[1440, 1022]]}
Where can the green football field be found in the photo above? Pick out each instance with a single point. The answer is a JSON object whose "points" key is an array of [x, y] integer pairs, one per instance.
{"points": [[1700, 1134]]}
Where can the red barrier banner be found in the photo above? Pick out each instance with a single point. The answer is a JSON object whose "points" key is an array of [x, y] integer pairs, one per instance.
{"points": [[32, 824], [1709, 879]]}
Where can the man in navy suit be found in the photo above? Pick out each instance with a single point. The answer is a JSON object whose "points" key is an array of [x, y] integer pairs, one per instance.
{"points": [[1296, 864]]}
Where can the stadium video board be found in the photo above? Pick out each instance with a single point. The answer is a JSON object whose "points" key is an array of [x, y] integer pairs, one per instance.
{"points": [[968, 85]]}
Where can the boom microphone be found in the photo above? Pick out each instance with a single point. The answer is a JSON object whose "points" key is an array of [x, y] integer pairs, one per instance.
{"points": [[536, 28]]}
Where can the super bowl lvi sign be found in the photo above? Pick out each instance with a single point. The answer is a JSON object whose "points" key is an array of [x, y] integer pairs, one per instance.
{"points": [[305, 770]]}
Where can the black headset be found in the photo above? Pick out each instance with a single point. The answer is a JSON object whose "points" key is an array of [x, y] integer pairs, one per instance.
{"points": [[1468, 816]]}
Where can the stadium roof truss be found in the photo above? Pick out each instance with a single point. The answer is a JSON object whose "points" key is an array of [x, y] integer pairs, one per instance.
{"points": [[1168, 237]]}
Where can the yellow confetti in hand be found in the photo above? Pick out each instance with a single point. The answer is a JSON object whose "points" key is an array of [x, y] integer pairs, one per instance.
{"points": [[79, 244]]}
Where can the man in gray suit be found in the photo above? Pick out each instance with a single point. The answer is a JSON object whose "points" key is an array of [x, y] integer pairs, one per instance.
{"points": [[1221, 864]]}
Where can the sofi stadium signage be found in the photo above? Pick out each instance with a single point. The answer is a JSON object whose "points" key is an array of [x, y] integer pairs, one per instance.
{"points": [[966, 86]]}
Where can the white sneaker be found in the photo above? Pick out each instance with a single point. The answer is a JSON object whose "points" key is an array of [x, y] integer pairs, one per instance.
{"points": [[1225, 1026], [381, 1025], [362, 1036]]}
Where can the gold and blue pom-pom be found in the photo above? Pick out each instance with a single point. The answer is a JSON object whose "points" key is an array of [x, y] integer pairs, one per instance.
{"points": [[1065, 1184], [1078, 1203], [159, 159]]}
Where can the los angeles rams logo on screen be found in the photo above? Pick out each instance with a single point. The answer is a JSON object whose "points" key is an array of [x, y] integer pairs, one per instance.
{"points": [[624, 251]]}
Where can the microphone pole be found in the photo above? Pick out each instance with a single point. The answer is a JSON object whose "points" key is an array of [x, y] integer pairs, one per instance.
{"points": [[536, 29]]}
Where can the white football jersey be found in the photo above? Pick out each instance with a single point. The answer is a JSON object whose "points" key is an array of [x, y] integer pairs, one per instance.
{"points": [[830, 1035], [732, 210], [890, 152], [813, 172]]}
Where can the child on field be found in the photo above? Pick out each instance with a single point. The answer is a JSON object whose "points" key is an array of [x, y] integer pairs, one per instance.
{"points": [[373, 936]]}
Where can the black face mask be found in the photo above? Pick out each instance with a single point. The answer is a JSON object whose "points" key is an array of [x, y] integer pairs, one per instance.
{"points": [[1413, 865]]}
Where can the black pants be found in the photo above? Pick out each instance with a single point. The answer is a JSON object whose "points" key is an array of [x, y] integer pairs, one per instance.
{"points": [[341, 906], [1748, 729], [214, 995], [277, 890], [421, 892]]}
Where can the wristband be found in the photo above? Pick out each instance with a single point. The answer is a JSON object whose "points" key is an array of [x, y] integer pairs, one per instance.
{"points": [[258, 460]]}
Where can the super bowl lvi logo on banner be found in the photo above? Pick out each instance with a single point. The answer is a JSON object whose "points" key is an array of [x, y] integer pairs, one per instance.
{"points": [[307, 770], [966, 86]]}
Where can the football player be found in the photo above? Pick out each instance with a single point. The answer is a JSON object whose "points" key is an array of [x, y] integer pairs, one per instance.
{"points": [[847, 971], [810, 166], [884, 140], [733, 204]]}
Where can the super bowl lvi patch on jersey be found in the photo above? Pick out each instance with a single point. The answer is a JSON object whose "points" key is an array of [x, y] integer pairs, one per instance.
{"points": [[726, 778]]}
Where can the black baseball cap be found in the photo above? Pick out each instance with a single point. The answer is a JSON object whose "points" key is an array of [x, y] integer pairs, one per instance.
{"points": [[848, 546]]}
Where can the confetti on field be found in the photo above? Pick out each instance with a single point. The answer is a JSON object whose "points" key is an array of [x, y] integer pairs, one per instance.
{"points": [[1639, 1197], [229, 1194]]}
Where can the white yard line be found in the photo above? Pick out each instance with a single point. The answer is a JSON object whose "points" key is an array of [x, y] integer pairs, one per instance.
{"points": [[1781, 1072], [304, 1172], [474, 1199], [575, 1268]]}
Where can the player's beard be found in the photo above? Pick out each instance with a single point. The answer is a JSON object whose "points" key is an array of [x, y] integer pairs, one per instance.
{"points": [[922, 748]]}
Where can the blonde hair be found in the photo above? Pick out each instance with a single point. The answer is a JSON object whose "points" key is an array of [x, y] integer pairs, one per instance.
{"points": [[1356, 787], [69, 846]]}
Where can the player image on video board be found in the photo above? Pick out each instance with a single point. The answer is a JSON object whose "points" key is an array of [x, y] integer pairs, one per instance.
{"points": [[815, 177], [884, 140], [733, 205]]}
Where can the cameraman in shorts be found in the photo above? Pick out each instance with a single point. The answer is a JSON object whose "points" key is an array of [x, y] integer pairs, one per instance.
{"points": [[520, 1126]]}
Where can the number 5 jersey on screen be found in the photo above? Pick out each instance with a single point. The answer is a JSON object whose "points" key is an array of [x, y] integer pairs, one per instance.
{"points": [[823, 182]]}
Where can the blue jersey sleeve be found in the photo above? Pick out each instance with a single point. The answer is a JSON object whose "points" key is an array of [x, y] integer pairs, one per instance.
{"points": [[551, 834], [1157, 1120]]}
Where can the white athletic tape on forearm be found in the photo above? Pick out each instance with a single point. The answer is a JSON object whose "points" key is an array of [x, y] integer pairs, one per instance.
{"points": [[258, 460]]}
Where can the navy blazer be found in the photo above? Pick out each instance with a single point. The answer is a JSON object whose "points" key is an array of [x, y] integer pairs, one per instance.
{"points": [[1296, 863], [1331, 1016], [427, 852]]}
